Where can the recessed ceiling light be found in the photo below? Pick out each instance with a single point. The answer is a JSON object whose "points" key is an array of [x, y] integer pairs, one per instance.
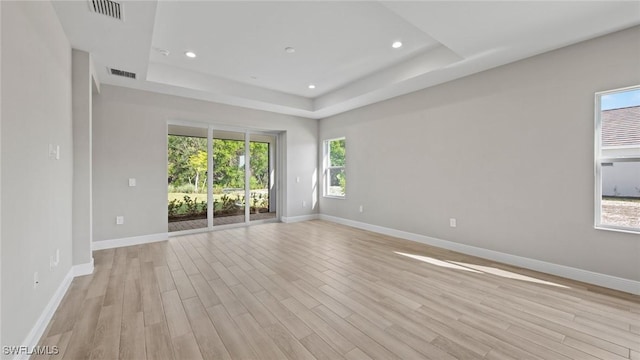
{"points": [[311, 86], [289, 50], [396, 44], [190, 54]]}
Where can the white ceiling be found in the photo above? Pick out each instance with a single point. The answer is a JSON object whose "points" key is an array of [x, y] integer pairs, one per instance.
{"points": [[344, 48]]}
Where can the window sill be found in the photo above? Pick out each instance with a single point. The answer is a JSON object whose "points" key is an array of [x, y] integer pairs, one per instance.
{"points": [[616, 229], [334, 197]]}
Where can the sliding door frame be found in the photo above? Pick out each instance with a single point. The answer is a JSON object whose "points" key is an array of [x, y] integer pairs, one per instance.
{"points": [[275, 165]]}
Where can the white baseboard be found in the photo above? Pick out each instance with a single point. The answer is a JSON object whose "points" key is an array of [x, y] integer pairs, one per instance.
{"points": [[41, 324], [293, 219], [608, 281], [83, 269], [134, 240]]}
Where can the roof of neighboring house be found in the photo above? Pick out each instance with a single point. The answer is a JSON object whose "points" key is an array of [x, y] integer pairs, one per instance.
{"points": [[621, 127]]}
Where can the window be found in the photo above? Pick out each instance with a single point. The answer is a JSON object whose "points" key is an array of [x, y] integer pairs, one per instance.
{"points": [[334, 175], [618, 159]]}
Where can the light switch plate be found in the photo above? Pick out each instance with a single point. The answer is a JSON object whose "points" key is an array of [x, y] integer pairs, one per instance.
{"points": [[54, 152], [132, 182]]}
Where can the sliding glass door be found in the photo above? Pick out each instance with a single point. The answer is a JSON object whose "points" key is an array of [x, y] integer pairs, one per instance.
{"points": [[187, 178], [229, 173], [219, 177], [262, 166]]}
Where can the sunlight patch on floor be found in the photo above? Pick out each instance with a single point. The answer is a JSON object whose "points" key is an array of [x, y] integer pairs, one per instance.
{"points": [[507, 274], [437, 262], [479, 269]]}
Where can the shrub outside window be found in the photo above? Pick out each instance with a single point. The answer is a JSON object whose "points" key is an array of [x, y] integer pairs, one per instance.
{"points": [[335, 175]]}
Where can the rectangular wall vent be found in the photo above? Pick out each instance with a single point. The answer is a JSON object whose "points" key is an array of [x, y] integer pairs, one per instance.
{"points": [[122, 73], [107, 7]]}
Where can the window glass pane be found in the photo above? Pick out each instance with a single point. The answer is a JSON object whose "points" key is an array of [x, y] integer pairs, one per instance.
{"points": [[620, 204], [620, 124], [187, 178], [337, 182], [262, 201], [228, 178], [336, 152]]}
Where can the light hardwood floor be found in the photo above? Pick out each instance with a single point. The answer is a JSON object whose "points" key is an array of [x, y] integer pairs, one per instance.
{"points": [[325, 291]]}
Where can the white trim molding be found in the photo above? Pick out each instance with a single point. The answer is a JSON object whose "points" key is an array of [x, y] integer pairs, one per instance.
{"points": [[608, 281], [134, 240], [82, 269], [294, 219], [45, 317], [32, 339]]}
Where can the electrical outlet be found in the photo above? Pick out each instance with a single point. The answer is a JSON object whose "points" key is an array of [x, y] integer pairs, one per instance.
{"points": [[119, 220], [132, 182], [361, 208], [297, 179], [453, 222], [304, 203]]}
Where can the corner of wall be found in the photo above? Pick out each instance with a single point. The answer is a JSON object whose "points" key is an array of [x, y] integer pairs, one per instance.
{"points": [[83, 269], [40, 326], [83, 74], [282, 176], [95, 80]]}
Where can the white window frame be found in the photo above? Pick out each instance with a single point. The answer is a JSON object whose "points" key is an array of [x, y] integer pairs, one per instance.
{"points": [[599, 160], [327, 169]]}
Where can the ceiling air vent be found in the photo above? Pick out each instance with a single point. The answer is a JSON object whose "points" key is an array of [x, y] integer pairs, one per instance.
{"points": [[122, 73], [107, 7]]}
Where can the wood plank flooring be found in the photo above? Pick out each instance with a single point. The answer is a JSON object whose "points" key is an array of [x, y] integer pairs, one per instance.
{"points": [[317, 290]]}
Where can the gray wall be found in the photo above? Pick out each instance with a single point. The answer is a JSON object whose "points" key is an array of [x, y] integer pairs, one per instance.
{"points": [[508, 152], [36, 191], [82, 207], [1, 339], [130, 141]]}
